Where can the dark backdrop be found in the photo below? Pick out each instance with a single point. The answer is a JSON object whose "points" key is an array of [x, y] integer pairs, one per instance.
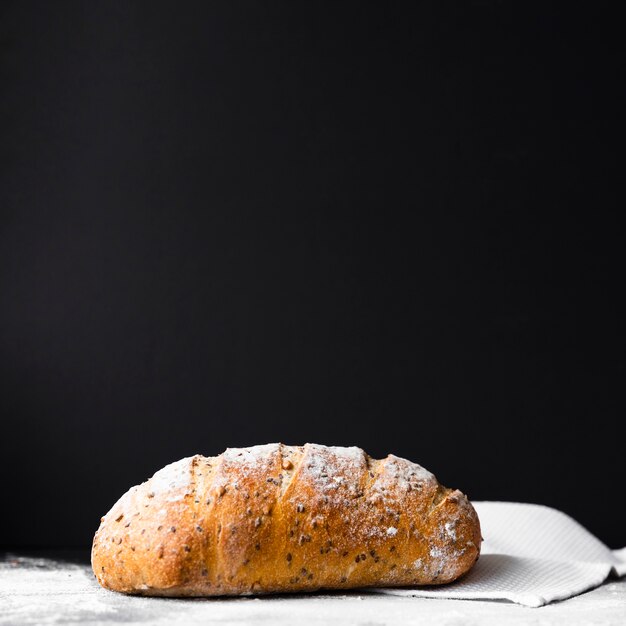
{"points": [[234, 223]]}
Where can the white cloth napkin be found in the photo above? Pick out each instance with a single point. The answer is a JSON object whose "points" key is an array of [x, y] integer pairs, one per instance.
{"points": [[531, 555]]}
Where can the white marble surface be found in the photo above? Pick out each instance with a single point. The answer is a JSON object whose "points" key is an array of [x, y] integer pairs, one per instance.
{"points": [[36, 590]]}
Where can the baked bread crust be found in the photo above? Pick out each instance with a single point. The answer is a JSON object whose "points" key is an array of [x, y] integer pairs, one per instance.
{"points": [[277, 518]]}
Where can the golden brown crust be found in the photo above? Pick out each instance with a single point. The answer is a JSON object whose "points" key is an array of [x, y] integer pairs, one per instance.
{"points": [[279, 518]]}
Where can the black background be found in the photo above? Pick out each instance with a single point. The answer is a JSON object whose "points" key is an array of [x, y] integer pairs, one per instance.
{"points": [[234, 223]]}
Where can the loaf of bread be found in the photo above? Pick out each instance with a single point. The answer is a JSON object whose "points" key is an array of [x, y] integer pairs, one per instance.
{"points": [[277, 518]]}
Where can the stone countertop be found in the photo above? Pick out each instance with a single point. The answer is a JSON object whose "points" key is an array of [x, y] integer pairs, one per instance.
{"points": [[53, 588]]}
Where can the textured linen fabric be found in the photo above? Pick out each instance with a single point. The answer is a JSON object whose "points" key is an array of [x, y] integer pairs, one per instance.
{"points": [[531, 555]]}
